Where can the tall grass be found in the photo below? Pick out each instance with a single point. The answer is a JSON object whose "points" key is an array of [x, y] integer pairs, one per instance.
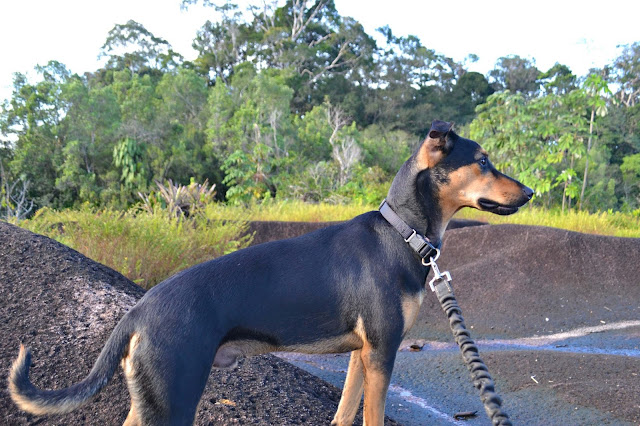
{"points": [[146, 247], [292, 211], [603, 223]]}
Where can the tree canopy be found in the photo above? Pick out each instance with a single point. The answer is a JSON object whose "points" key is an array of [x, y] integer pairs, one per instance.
{"points": [[289, 99]]}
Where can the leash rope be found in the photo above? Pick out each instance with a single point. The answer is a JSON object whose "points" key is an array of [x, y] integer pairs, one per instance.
{"points": [[439, 284], [480, 376]]}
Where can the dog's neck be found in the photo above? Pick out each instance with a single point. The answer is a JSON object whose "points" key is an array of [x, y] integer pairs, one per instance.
{"points": [[413, 197]]}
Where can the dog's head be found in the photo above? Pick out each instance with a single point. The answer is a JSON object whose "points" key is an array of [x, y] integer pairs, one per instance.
{"points": [[457, 172]]}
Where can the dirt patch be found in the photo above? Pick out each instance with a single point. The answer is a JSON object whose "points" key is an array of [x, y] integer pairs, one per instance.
{"points": [[64, 306]]}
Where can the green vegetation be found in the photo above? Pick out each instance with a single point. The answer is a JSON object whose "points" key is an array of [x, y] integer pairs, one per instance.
{"points": [[293, 102], [616, 224], [602, 223], [293, 211], [146, 247]]}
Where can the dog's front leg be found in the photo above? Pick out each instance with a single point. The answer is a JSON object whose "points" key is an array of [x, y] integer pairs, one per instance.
{"points": [[377, 365], [352, 392]]}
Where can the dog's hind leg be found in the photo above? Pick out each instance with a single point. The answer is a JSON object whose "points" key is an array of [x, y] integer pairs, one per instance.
{"points": [[148, 405], [165, 383], [351, 393]]}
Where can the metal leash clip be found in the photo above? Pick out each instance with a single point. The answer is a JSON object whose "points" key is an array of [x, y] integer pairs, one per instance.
{"points": [[437, 275], [432, 260]]}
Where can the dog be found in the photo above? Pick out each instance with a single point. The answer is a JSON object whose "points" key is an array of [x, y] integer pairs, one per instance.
{"points": [[352, 287]]}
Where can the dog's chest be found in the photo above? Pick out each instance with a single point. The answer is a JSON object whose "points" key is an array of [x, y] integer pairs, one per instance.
{"points": [[410, 308]]}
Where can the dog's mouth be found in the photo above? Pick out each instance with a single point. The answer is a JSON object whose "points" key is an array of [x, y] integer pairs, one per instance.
{"points": [[497, 208]]}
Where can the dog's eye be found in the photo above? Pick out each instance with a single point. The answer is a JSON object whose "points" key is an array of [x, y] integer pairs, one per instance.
{"points": [[483, 161]]}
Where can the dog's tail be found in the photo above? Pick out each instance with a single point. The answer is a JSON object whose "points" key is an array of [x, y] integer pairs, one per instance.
{"points": [[37, 401]]}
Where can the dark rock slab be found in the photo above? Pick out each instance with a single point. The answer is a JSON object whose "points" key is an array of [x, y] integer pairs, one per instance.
{"points": [[516, 281], [265, 231]]}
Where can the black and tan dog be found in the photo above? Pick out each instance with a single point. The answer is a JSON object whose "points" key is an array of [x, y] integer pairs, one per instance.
{"points": [[355, 286]]}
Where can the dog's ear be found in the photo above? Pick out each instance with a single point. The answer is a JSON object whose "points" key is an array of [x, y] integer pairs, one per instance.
{"points": [[437, 144]]}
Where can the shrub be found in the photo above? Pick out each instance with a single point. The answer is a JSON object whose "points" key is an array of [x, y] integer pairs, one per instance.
{"points": [[145, 246], [179, 200]]}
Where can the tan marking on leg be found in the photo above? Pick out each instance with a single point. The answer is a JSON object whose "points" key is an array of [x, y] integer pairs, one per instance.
{"points": [[410, 308], [376, 384], [127, 362], [133, 418], [351, 393]]}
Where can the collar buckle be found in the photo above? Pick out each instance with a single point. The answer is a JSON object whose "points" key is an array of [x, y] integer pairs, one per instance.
{"points": [[408, 240], [418, 243]]}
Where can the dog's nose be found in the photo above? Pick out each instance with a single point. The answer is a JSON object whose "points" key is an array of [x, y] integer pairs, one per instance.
{"points": [[528, 192]]}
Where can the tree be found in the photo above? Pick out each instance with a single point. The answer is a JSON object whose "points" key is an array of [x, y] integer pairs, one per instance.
{"points": [[344, 149], [626, 72], [129, 156], [180, 153], [516, 74], [131, 46], [32, 117], [253, 131], [291, 99], [308, 38], [407, 84], [537, 140], [247, 175], [223, 44], [312, 135], [630, 169], [91, 125], [459, 104], [558, 80], [503, 127], [595, 86], [559, 125], [14, 204], [386, 149]]}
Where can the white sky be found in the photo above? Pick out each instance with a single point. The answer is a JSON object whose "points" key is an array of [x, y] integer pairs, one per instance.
{"points": [[580, 34]]}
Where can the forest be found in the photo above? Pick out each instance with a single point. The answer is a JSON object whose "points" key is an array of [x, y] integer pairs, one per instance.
{"points": [[295, 102]]}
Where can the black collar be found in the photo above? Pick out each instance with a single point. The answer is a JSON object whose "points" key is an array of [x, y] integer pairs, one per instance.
{"points": [[419, 243]]}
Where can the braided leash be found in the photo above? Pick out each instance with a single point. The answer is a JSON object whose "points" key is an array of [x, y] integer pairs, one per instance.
{"points": [[479, 373]]}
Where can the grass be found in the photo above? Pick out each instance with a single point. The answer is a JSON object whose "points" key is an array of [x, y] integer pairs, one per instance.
{"points": [[294, 211], [146, 247], [602, 223]]}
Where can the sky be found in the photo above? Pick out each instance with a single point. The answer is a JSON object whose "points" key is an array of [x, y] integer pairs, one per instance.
{"points": [[580, 34]]}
